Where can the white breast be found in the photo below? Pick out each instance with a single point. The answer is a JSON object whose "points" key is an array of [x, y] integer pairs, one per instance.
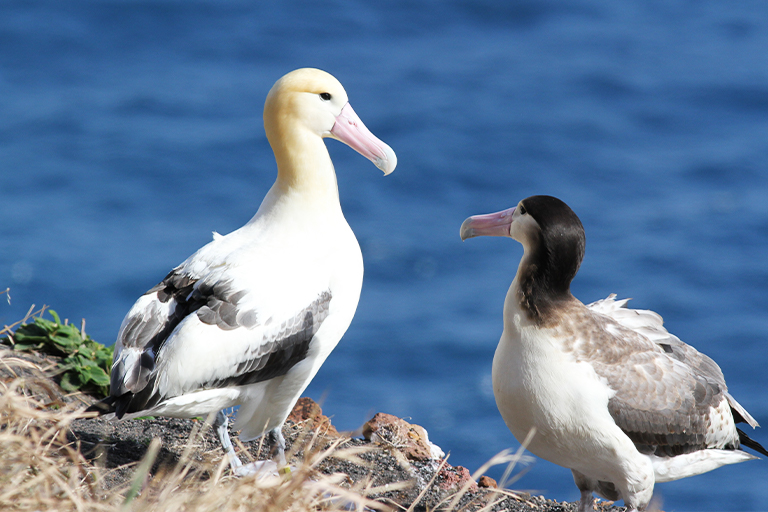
{"points": [[537, 384]]}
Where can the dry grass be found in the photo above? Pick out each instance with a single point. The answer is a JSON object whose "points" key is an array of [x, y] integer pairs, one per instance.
{"points": [[7, 330], [42, 471]]}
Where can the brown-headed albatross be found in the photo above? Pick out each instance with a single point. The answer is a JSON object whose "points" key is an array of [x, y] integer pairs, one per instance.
{"points": [[609, 393], [249, 318]]}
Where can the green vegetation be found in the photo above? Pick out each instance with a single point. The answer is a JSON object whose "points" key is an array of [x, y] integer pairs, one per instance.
{"points": [[85, 363]]}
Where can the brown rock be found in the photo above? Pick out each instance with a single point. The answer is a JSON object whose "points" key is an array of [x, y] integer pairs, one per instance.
{"points": [[308, 412], [487, 482], [409, 439], [454, 477]]}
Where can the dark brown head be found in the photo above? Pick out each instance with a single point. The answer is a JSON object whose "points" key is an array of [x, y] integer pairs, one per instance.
{"points": [[553, 242]]}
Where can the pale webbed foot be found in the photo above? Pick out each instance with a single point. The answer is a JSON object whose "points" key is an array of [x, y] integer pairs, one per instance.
{"points": [[260, 468]]}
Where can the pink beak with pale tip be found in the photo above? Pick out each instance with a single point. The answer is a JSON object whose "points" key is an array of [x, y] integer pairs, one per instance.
{"points": [[350, 130], [491, 224]]}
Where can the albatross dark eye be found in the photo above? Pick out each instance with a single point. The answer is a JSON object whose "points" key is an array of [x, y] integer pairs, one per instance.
{"points": [[521, 209], [325, 96]]}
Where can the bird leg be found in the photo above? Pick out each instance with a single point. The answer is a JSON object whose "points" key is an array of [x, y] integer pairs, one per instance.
{"points": [[265, 467], [220, 424], [586, 486], [278, 450]]}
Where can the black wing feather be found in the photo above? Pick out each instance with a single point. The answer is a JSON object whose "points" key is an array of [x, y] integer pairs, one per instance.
{"points": [[216, 305]]}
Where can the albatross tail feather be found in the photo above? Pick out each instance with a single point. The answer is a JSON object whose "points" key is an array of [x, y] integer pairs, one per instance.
{"points": [[745, 440], [103, 407], [667, 469]]}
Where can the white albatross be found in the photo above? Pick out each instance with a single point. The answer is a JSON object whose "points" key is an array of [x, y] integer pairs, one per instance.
{"points": [[249, 318], [610, 393]]}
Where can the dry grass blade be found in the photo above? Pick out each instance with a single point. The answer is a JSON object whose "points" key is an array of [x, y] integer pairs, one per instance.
{"points": [[506, 477], [9, 363], [426, 487], [503, 457], [142, 472], [8, 329], [193, 487], [352, 455], [40, 469]]}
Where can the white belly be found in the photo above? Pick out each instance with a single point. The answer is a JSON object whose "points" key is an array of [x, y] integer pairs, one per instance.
{"points": [[537, 385]]}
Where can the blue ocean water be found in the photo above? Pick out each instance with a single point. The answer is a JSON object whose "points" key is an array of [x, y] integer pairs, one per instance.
{"points": [[130, 130]]}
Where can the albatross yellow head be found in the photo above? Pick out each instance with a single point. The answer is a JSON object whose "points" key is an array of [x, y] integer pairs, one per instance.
{"points": [[309, 103]]}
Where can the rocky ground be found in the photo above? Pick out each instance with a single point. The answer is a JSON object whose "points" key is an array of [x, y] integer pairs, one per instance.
{"points": [[391, 455]]}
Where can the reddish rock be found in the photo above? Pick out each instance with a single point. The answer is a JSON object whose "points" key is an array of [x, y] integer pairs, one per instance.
{"points": [[409, 439], [454, 477], [487, 482], [307, 411]]}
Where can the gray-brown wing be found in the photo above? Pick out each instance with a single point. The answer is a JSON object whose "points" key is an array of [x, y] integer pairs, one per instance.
{"points": [[664, 399], [651, 325]]}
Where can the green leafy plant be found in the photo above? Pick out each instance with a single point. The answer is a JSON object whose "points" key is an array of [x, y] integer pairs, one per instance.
{"points": [[86, 363]]}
